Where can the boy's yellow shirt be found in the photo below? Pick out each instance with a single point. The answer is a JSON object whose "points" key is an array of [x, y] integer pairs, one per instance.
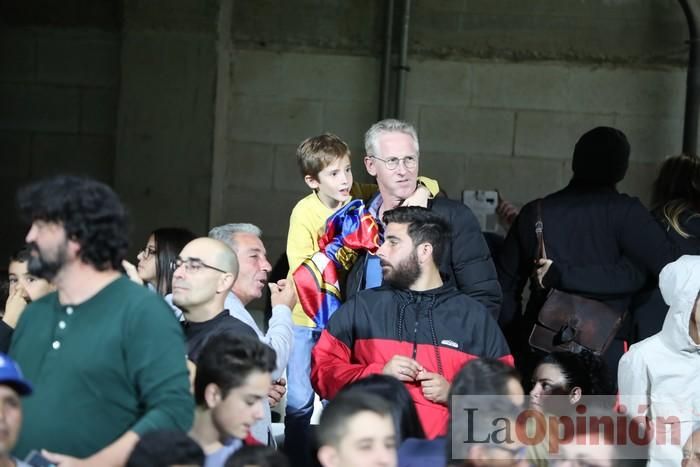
{"points": [[308, 222]]}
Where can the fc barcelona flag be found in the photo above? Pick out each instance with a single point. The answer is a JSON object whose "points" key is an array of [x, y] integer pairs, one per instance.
{"points": [[349, 231]]}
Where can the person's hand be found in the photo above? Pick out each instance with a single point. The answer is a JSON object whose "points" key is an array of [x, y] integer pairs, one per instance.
{"points": [[402, 368], [132, 272], [63, 460], [434, 386], [543, 266], [507, 212], [419, 197], [14, 307], [283, 293], [277, 391]]}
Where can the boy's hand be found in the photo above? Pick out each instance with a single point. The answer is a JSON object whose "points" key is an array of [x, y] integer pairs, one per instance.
{"points": [[402, 368], [14, 307], [435, 387], [283, 293], [419, 197]]}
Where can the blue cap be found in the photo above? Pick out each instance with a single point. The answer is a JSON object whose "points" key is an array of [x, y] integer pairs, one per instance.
{"points": [[11, 375]]}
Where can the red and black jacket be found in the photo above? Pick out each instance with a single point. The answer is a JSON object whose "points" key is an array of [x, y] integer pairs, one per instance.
{"points": [[442, 329]]}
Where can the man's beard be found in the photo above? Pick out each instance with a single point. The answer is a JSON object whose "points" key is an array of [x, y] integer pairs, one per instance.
{"points": [[46, 268], [404, 274]]}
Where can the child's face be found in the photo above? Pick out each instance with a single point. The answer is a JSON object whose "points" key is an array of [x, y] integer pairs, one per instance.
{"points": [[235, 414], [333, 183], [31, 287]]}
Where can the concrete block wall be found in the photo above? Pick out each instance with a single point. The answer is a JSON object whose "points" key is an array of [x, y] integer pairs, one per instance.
{"points": [[514, 126], [166, 114], [277, 100], [599, 31], [482, 125], [499, 90], [59, 89]]}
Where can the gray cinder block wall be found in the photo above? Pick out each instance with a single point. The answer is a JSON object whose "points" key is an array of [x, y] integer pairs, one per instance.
{"points": [[59, 87], [499, 90], [192, 108]]}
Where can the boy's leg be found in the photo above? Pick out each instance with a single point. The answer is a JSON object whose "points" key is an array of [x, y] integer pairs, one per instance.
{"points": [[300, 397]]}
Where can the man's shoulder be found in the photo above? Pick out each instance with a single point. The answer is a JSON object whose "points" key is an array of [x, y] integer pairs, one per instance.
{"points": [[377, 298], [442, 203], [127, 298], [130, 292], [41, 306], [374, 294], [232, 324], [471, 307], [452, 210]]}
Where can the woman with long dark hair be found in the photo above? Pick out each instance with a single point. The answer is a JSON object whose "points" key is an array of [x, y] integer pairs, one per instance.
{"points": [[153, 268]]}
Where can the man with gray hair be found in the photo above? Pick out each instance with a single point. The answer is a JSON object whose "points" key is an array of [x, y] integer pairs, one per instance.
{"points": [[254, 268], [392, 157]]}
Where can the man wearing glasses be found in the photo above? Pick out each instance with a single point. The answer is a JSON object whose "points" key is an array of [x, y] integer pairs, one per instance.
{"points": [[392, 156], [203, 274]]}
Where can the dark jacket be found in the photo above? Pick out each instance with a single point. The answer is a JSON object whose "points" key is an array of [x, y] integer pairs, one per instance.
{"points": [[648, 307], [197, 334], [603, 244], [442, 329], [466, 259]]}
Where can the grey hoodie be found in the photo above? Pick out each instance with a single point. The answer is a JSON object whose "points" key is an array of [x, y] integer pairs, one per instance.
{"points": [[662, 373]]}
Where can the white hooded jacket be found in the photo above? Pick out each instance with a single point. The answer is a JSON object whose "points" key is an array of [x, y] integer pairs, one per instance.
{"points": [[660, 376]]}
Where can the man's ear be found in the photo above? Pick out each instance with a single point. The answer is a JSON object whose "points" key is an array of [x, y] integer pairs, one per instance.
{"points": [[73, 248], [327, 456], [212, 395], [425, 252], [369, 165], [225, 283], [311, 182]]}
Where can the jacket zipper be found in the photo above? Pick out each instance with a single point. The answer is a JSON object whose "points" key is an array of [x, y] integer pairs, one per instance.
{"points": [[415, 337]]}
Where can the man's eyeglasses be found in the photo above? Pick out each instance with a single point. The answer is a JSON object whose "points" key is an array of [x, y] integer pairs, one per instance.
{"points": [[392, 163], [193, 265], [148, 252]]}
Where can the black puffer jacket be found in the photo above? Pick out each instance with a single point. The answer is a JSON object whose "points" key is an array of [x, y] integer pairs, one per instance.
{"points": [[466, 259]]}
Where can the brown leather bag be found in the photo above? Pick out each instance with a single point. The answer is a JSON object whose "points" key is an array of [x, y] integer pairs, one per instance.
{"points": [[568, 322]]}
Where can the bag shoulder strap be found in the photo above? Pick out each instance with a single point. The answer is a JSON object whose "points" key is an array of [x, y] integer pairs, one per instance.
{"points": [[539, 231]]}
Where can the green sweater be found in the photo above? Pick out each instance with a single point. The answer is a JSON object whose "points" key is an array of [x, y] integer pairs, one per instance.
{"points": [[111, 364]]}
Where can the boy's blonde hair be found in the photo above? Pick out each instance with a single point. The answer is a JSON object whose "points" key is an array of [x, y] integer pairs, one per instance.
{"points": [[316, 153]]}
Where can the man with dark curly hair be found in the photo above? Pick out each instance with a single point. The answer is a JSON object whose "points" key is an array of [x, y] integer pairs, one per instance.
{"points": [[106, 356]]}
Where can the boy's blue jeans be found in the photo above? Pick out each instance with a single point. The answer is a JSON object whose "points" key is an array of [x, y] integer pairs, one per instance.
{"points": [[300, 397]]}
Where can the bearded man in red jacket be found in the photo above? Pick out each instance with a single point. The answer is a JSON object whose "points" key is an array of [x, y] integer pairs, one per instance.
{"points": [[417, 327]]}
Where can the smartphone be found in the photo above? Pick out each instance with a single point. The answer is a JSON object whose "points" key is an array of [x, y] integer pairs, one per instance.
{"points": [[35, 459]]}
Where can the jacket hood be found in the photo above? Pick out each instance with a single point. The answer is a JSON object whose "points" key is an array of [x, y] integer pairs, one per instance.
{"points": [[680, 283], [447, 290]]}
